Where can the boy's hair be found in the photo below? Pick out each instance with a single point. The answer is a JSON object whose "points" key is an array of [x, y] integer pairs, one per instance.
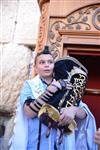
{"points": [[46, 50]]}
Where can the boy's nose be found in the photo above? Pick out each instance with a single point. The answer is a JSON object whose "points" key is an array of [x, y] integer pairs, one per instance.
{"points": [[47, 64]]}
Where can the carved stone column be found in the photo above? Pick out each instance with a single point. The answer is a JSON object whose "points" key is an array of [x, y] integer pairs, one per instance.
{"points": [[43, 25]]}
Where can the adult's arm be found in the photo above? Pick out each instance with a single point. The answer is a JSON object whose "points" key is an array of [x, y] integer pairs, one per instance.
{"points": [[97, 137]]}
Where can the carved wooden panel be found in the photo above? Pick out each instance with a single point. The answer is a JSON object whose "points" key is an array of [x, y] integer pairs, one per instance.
{"points": [[85, 19]]}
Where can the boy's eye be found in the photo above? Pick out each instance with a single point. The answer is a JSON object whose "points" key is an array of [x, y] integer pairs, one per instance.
{"points": [[42, 62], [50, 61]]}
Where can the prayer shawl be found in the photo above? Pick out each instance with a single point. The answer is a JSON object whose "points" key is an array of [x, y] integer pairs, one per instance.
{"points": [[81, 139]]}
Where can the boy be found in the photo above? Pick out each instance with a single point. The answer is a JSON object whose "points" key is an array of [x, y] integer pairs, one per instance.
{"points": [[34, 94]]}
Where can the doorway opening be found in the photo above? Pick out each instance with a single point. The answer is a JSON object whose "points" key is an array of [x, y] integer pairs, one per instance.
{"points": [[92, 94]]}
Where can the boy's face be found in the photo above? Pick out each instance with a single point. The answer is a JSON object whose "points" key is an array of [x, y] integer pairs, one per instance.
{"points": [[44, 65]]}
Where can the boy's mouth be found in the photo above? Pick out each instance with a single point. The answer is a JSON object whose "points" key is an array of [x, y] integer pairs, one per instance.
{"points": [[47, 70]]}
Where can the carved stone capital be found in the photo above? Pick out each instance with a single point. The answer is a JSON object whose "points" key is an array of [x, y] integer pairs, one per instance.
{"points": [[41, 2]]}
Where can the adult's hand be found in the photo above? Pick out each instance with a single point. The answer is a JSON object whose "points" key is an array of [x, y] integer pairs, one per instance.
{"points": [[97, 137]]}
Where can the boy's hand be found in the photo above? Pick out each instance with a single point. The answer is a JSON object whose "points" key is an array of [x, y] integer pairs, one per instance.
{"points": [[54, 86], [65, 84], [61, 84], [67, 115]]}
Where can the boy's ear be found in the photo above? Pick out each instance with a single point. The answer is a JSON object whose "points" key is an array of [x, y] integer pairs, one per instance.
{"points": [[35, 69], [34, 72]]}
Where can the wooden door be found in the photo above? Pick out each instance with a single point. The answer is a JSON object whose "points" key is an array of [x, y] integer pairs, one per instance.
{"points": [[92, 94]]}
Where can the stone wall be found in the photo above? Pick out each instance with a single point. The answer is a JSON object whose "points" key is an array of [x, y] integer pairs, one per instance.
{"points": [[20, 20], [19, 28]]}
